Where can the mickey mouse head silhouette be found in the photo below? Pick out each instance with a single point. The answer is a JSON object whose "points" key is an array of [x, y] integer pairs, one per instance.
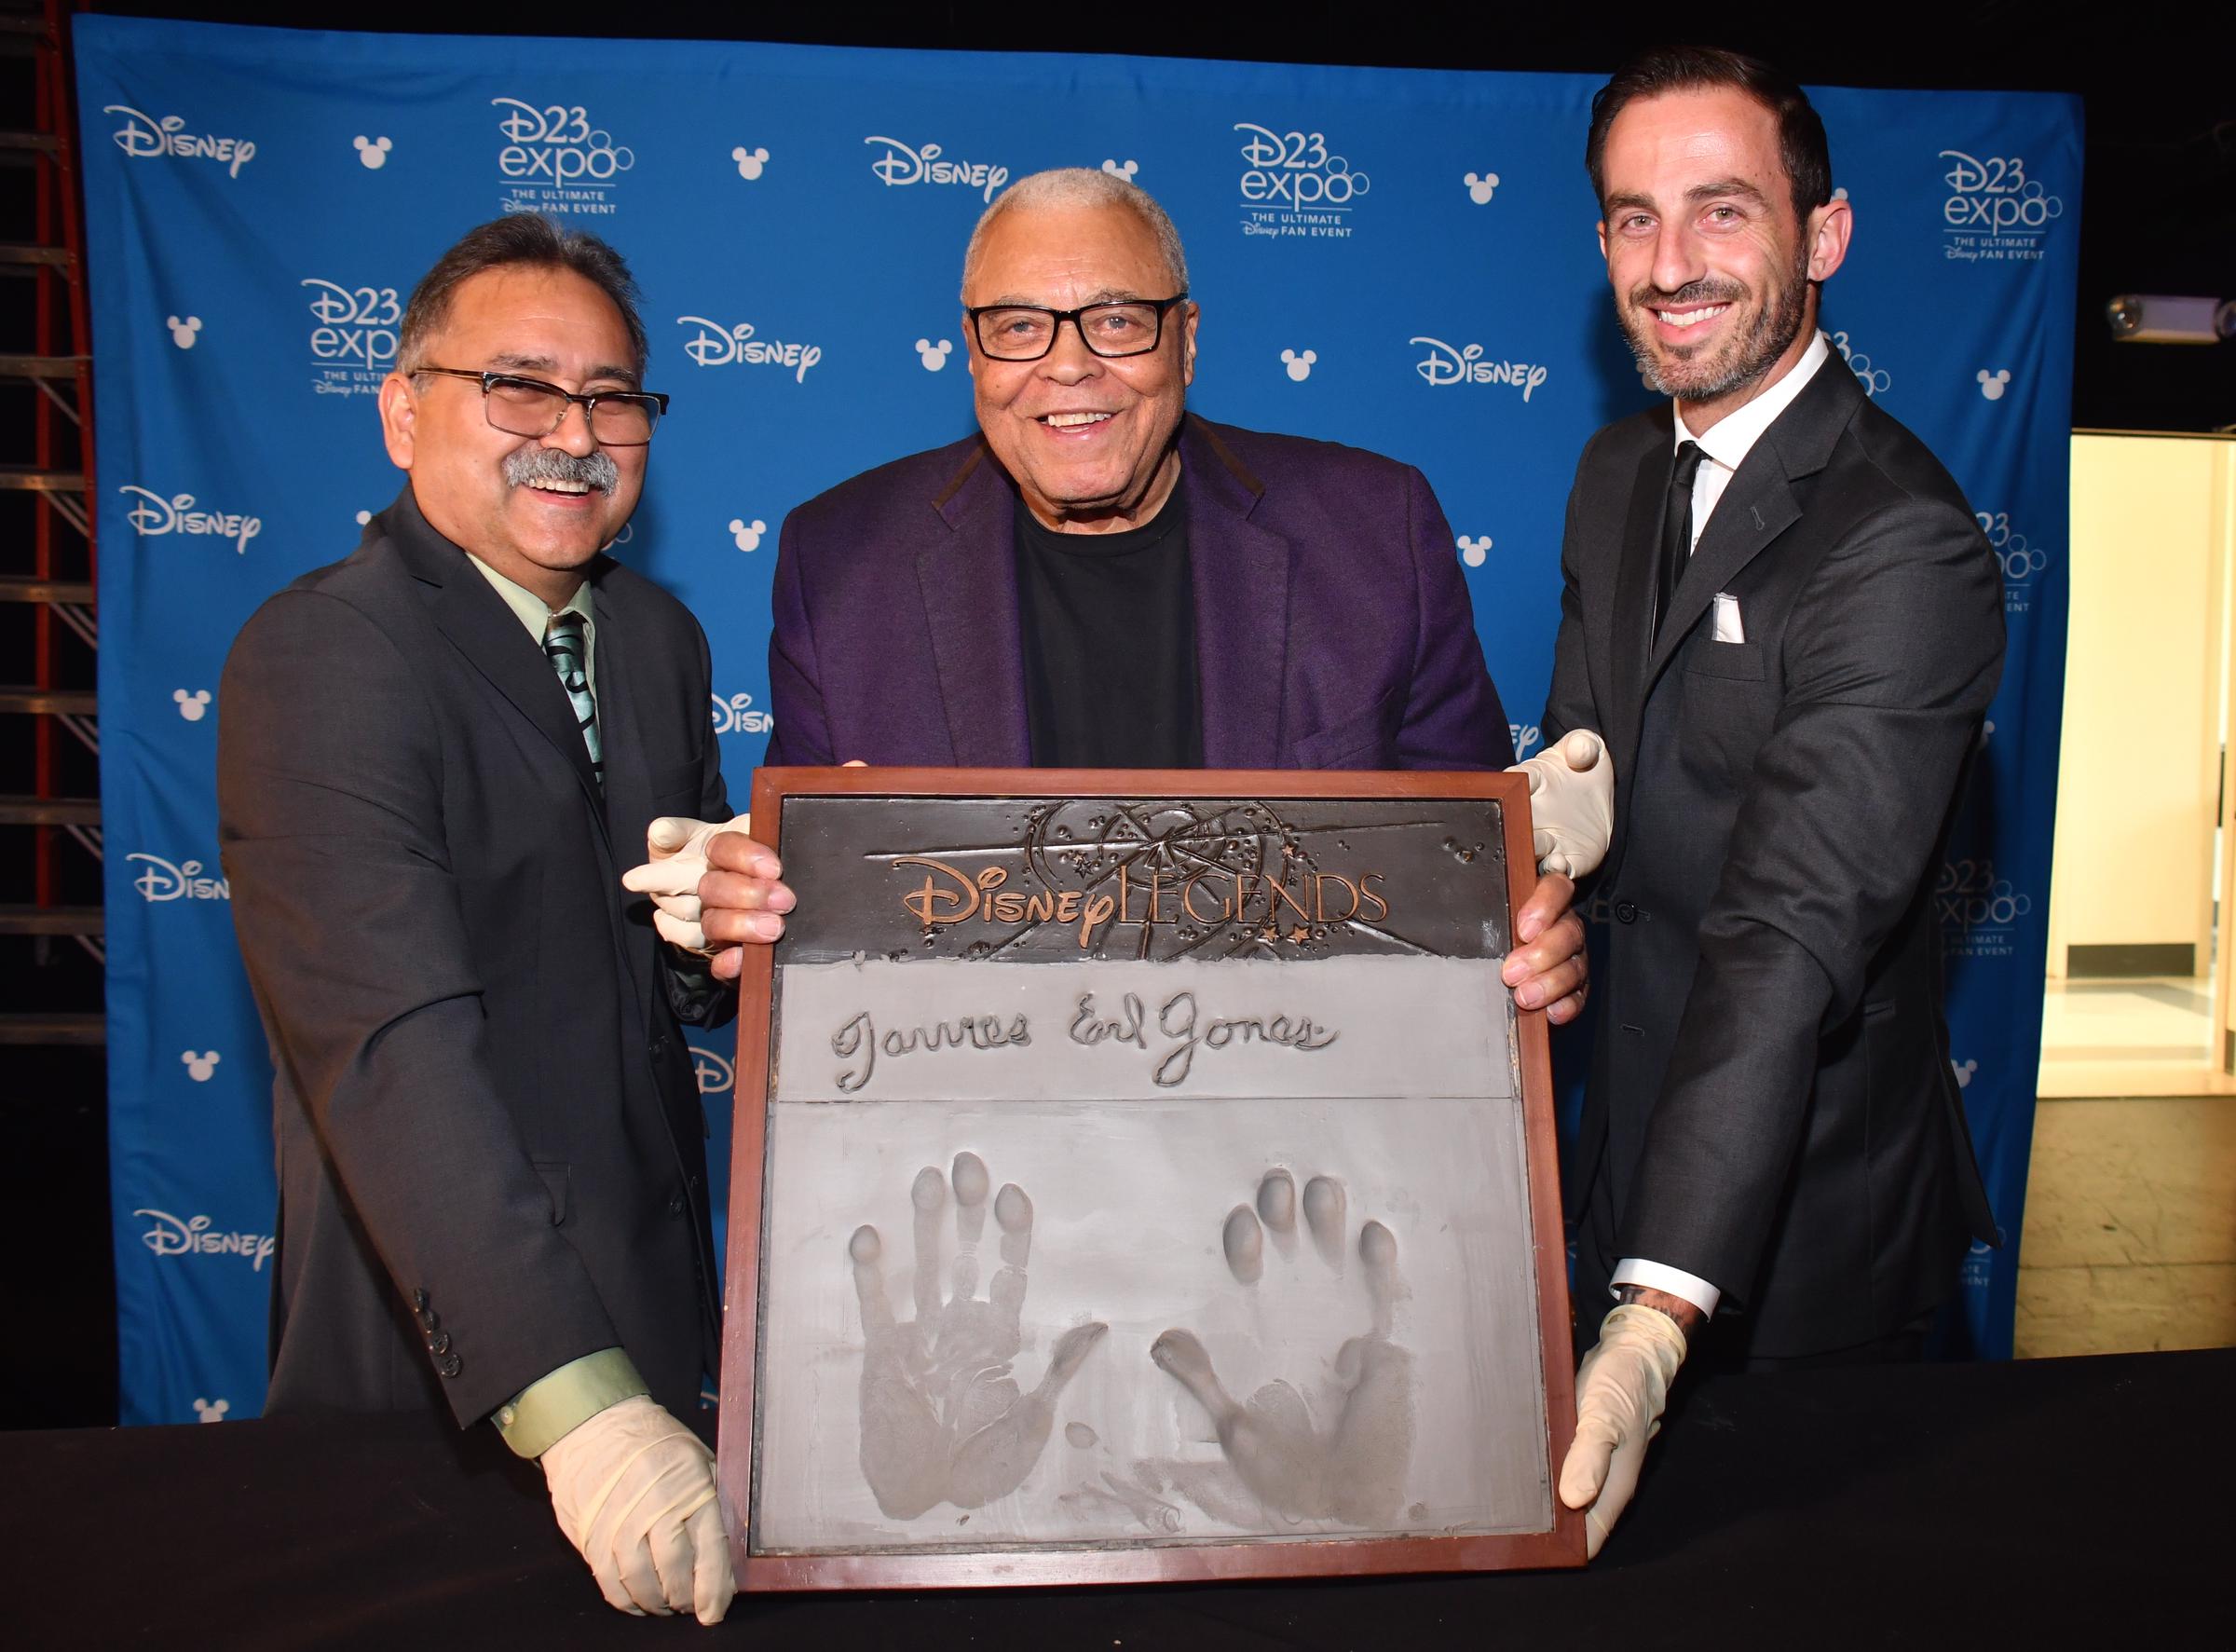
{"points": [[750, 162], [191, 707], [747, 534], [1473, 552], [934, 355], [373, 152], [201, 1068], [1126, 168], [212, 1411], [1300, 366], [1992, 385], [183, 330], [1964, 1071], [1479, 190]]}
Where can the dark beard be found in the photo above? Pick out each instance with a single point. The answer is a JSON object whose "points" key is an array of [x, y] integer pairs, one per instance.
{"points": [[1776, 328]]}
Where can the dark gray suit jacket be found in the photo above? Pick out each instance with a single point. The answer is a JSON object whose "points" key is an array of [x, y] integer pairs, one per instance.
{"points": [[491, 1150], [1771, 1106], [1332, 626]]}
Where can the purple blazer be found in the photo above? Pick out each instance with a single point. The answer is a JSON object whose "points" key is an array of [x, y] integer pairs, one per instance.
{"points": [[1332, 627]]}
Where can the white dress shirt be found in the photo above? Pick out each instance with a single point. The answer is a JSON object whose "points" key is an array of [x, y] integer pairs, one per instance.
{"points": [[1722, 449]]}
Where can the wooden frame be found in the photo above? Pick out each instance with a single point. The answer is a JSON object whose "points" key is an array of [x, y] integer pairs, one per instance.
{"points": [[1059, 1560]]}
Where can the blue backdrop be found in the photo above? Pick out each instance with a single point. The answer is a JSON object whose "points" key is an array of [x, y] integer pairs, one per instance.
{"points": [[1397, 259]]}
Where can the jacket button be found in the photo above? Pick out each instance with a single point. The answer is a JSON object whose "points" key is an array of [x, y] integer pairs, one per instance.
{"points": [[659, 1046], [418, 1299], [1625, 912], [450, 1365], [439, 1342], [675, 1205], [429, 1318]]}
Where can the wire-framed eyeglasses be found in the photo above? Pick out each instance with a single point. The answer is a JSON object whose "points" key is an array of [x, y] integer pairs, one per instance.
{"points": [[530, 407]]}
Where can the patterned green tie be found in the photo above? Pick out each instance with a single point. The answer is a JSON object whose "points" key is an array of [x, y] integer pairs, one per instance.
{"points": [[563, 641]]}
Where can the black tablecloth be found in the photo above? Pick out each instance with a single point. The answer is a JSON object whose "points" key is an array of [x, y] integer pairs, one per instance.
{"points": [[2064, 1502]]}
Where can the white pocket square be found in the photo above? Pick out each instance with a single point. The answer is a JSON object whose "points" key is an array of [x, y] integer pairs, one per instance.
{"points": [[1729, 629]]}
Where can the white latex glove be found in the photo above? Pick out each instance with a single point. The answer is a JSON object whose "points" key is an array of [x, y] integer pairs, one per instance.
{"points": [[634, 1490], [1621, 1389], [1572, 803], [676, 852]]}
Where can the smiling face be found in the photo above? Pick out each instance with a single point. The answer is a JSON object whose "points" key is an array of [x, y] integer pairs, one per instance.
{"points": [[535, 510], [1711, 267], [1088, 440]]}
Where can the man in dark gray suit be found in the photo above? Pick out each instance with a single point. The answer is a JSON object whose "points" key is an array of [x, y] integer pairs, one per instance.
{"points": [[434, 763], [1780, 615]]}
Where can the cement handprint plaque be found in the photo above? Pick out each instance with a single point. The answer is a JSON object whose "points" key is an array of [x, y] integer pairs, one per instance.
{"points": [[1141, 1176]]}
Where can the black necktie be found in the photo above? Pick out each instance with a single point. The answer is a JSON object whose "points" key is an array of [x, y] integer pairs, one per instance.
{"points": [[1676, 529]]}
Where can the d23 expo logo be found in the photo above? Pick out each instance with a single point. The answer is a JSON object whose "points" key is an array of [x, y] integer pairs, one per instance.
{"points": [[1980, 913], [352, 336], [1293, 186], [2022, 563], [555, 160], [1994, 212]]}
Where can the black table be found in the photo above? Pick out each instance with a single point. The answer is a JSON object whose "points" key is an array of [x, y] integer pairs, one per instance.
{"points": [[2061, 1503]]}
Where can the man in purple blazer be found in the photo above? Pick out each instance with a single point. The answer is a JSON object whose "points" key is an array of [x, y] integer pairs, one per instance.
{"points": [[1099, 579]]}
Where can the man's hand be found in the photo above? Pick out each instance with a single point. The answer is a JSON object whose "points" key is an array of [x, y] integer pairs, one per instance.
{"points": [[680, 852], [1621, 1389], [1571, 804], [1547, 967], [635, 1492]]}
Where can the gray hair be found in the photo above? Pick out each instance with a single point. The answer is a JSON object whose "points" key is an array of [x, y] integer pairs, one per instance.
{"points": [[517, 239], [1081, 186]]}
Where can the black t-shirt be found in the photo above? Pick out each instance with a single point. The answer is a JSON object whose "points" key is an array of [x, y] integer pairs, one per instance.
{"points": [[1109, 624]]}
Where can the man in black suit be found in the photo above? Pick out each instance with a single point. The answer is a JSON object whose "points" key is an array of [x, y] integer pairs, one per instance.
{"points": [[434, 761], [1779, 614]]}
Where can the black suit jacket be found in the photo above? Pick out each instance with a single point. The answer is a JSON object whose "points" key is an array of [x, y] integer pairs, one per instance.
{"points": [[1771, 1106], [491, 1149]]}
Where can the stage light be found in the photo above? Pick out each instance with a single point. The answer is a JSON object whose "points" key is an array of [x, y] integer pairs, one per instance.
{"points": [[2155, 318]]}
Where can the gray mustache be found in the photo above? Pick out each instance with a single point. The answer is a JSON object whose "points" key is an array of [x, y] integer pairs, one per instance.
{"points": [[595, 469]]}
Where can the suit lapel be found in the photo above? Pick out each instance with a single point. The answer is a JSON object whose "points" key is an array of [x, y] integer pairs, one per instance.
{"points": [[1755, 509], [628, 782], [1760, 501], [1634, 593], [1240, 574], [969, 582], [491, 637]]}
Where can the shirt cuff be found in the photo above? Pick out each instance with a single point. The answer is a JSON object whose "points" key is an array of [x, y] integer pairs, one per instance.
{"points": [[552, 1407], [1676, 1281]]}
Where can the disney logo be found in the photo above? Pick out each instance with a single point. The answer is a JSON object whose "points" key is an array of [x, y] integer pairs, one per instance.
{"points": [[1295, 168], [717, 345], [1526, 738], [736, 715], [1448, 364], [154, 515], [557, 142], [901, 165], [172, 1236], [714, 1073], [165, 881], [144, 135], [1995, 194]]}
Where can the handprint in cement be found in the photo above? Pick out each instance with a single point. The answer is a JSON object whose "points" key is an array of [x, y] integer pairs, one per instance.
{"points": [[942, 1420]]}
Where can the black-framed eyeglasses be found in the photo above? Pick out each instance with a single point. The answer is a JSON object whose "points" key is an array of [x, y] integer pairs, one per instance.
{"points": [[530, 407], [1026, 332]]}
